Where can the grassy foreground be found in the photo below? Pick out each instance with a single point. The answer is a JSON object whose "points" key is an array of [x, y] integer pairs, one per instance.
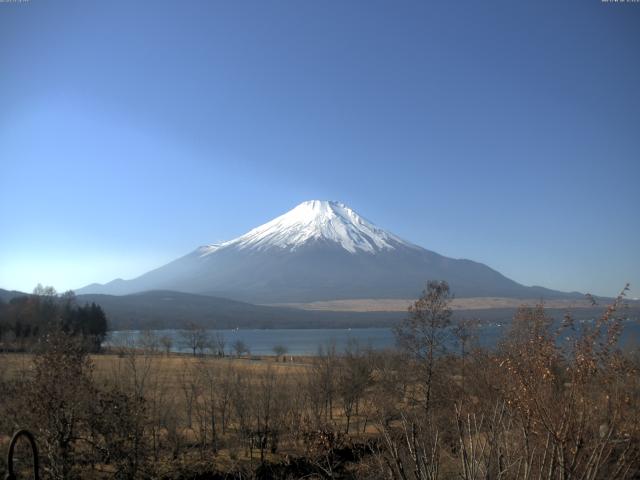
{"points": [[532, 408]]}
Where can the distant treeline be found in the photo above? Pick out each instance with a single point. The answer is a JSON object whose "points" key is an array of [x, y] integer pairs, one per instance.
{"points": [[24, 319]]}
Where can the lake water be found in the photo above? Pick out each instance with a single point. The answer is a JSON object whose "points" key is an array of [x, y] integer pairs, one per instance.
{"points": [[308, 341]]}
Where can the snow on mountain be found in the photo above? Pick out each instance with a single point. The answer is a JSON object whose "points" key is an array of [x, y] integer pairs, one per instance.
{"points": [[315, 220], [319, 250]]}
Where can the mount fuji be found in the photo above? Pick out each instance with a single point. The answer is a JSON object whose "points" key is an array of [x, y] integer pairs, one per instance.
{"points": [[320, 250]]}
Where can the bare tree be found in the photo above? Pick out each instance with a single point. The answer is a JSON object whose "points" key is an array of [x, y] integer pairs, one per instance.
{"points": [[190, 391], [268, 407], [354, 376], [242, 404], [423, 333], [209, 374], [59, 397], [240, 348], [224, 379], [195, 338], [324, 378], [118, 432], [220, 344], [157, 401], [167, 342], [148, 341], [279, 351], [465, 332]]}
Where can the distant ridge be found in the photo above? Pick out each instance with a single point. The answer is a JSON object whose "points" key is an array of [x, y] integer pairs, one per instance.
{"points": [[320, 250], [7, 295], [174, 310], [166, 309]]}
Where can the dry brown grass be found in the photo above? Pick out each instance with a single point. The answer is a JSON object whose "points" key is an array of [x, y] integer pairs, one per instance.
{"points": [[171, 366], [401, 305]]}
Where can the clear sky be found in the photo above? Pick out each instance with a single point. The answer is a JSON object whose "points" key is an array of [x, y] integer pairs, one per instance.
{"points": [[507, 132]]}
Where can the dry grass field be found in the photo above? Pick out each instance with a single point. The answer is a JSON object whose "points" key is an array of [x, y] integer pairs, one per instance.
{"points": [[171, 373], [172, 367], [401, 305], [177, 400]]}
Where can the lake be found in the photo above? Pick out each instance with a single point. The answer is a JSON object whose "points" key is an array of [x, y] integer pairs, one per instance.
{"points": [[307, 341]]}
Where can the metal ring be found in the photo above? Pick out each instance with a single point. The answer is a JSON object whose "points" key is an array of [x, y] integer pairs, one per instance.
{"points": [[34, 450]]}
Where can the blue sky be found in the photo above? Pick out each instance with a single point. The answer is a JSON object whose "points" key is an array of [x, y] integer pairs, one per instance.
{"points": [[505, 132]]}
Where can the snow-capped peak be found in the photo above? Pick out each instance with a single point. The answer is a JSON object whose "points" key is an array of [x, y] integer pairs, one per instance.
{"points": [[315, 220]]}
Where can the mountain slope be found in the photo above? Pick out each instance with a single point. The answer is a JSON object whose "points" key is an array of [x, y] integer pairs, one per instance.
{"points": [[319, 251], [7, 295]]}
